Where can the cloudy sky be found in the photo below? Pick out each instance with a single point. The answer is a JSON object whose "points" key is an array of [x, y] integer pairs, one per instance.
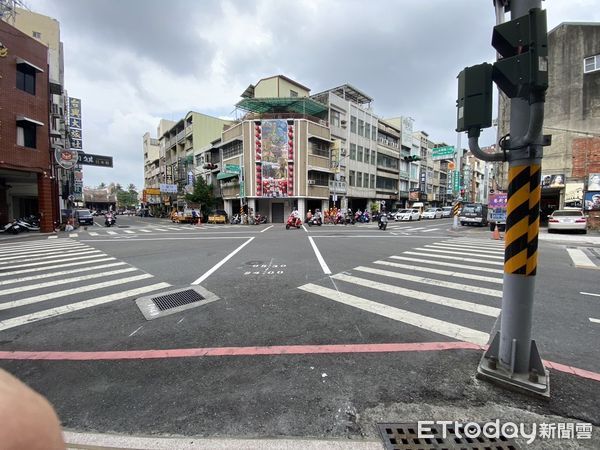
{"points": [[133, 62]]}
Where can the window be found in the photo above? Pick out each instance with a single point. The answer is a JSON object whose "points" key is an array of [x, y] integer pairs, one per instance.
{"points": [[37, 34], [293, 93], [367, 157], [389, 184], [320, 148], [372, 181], [366, 180], [26, 78], [351, 178], [353, 124], [591, 64], [334, 118], [353, 152], [233, 149], [374, 133], [26, 135], [361, 127], [319, 178], [373, 157], [387, 162], [358, 179], [367, 131], [359, 154]]}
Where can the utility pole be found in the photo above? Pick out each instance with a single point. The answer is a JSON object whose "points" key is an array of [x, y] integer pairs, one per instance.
{"points": [[512, 358]]}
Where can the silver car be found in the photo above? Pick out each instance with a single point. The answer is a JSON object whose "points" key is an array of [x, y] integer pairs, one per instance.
{"points": [[432, 213], [567, 219]]}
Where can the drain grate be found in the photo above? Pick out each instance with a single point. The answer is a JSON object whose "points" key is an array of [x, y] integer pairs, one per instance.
{"points": [[176, 299], [404, 436], [171, 302]]}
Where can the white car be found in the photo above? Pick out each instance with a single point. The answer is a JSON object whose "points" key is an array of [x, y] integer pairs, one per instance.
{"points": [[447, 211], [407, 215], [432, 213], [567, 219]]}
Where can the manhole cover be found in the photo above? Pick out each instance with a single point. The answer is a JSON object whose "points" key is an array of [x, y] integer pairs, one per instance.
{"points": [[405, 436], [171, 302]]}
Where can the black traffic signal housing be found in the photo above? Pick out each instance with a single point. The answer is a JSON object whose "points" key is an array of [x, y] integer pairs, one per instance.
{"points": [[412, 158], [523, 44], [475, 93]]}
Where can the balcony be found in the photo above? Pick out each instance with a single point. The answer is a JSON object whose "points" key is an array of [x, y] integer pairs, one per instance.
{"points": [[318, 161], [404, 174], [231, 190], [318, 191]]}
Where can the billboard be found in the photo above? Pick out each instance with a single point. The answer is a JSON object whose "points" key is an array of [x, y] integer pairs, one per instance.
{"points": [[594, 182], [592, 201], [75, 134], [553, 181], [274, 158]]}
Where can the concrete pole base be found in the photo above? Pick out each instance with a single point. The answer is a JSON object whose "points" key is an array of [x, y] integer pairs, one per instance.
{"points": [[536, 381]]}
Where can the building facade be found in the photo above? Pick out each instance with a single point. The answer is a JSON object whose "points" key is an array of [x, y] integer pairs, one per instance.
{"points": [[26, 183]]}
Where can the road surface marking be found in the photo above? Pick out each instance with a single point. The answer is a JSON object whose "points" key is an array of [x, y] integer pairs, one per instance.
{"points": [[580, 259], [455, 258], [322, 262], [174, 228], [594, 320], [304, 228], [60, 273], [461, 252], [449, 273], [431, 281], [73, 235], [137, 239], [93, 233], [143, 230], [270, 226], [128, 231], [476, 242], [77, 290], [429, 230], [101, 258], [158, 229], [52, 237], [223, 261], [46, 252], [589, 293], [448, 264], [68, 254], [420, 295], [64, 243], [136, 330], [470, 247], [111, 232], [53, 312], [417, 320], [33, 287]]}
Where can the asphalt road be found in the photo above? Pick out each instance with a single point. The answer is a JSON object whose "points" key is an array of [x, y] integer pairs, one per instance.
{"points": [[296, 290]]}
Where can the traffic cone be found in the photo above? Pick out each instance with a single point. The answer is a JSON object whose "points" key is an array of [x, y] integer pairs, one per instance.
{"points": [[496, 233]]}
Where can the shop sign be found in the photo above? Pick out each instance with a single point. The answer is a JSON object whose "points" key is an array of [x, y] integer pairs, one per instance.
{"points": [[66, 158], [553, 181]]}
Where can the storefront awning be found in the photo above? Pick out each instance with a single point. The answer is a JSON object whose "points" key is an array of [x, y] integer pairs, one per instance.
{"points": [[27, 63], [226, 176], [27, 119]]}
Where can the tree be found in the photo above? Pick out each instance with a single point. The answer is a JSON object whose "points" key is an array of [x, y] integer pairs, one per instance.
{"points": [[203, 194], [102, 185]]}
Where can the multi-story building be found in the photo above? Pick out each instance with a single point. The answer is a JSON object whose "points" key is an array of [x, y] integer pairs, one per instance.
{"points": [[475, 172], [409, 169], [572, 116], [26, 184]]}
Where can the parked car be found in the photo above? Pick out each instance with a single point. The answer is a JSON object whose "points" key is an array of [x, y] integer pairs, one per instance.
{"points": [[567, 219], [432, 213], [474, 214], [407, 214], [447, 211], [84, 217]]}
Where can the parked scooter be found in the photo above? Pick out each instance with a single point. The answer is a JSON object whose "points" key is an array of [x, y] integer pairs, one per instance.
{"points": [[11, 228], [383, 221], [29, 224], [293, 221], [260, 219]]}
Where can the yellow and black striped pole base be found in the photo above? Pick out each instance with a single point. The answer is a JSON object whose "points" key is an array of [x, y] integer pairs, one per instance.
{"points": [[522, 220]]}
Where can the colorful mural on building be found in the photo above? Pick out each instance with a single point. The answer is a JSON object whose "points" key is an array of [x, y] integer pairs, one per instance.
{"points": [[274, 154]]}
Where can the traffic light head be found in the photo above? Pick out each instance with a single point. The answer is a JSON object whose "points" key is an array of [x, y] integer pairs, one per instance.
{"points": [[475, 91], [412, 158]]}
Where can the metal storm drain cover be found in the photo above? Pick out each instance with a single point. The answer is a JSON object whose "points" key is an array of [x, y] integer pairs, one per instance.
{"points": [[405, 436], [171, 302]]}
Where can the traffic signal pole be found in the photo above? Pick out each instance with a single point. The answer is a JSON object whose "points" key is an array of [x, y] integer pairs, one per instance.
{"points": [[512, 358]]}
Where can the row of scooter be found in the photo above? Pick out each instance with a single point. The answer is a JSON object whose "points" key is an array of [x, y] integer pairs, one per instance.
{"points": [[246, 219], [30, 223]]}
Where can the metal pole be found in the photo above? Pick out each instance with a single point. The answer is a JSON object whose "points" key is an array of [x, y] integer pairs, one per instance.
{"points": [[513, 357], [457, 170]]}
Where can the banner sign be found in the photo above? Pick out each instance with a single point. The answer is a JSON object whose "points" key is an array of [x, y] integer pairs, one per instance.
{"points": [[75, 134], [553, 181], [87, 159], [592, 201], [594, 182], [168, 188]]}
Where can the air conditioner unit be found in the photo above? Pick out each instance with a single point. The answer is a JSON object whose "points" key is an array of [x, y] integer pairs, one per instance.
{"points": [[312, 181], [343, 122], [343, 152]]}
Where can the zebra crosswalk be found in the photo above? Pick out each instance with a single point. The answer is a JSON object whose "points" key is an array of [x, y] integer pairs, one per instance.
{"points": [[403, 229], [451, 288], [584, 257], [146, 231], [44, 279]]}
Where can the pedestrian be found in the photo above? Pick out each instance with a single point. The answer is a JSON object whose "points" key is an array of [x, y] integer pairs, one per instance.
{"points": [[194, 217]]}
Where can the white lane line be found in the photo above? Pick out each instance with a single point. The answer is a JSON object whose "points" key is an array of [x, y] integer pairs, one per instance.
{"points": [[455, 258], [429, 230], [457, 252], [136, 330], [415, 229], [47, 263], [449, 273], [100, 258], [64, 243], [223, 261], [59, 273], [45, 252], [448, 264], [143, 230], [188, 238], [594, 320], [174, 228], [476, 242], [590, 293], [111, 232], [52, 237], [270, 226], [459, 249], [401, 315], [73, 235], [128, 231], [469, 246], [93, 233], [25, 258], [77, 290], [432, 281], [33, 287], [53, 312], [304, 228], [158, 229], [322, 262], [580, 259]]}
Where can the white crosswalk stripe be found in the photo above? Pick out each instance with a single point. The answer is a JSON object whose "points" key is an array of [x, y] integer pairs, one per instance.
{"points": [[56, 278], [425, 280], [581, 259]]}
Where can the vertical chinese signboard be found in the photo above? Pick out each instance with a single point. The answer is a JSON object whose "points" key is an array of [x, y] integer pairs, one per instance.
{"points": [[75, 134], [274, 158]]}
